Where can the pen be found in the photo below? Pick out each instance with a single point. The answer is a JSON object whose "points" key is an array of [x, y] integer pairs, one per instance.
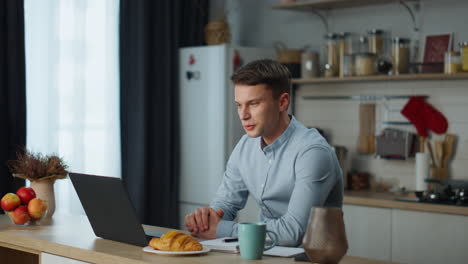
{"points": [[227, 240]]}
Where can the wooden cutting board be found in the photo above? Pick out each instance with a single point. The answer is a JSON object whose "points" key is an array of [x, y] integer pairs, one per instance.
{"points": [[366, 139]]}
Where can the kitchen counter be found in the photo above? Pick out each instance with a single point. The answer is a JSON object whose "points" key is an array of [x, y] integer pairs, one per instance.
{"points": [[72, 238], [388, 200]]}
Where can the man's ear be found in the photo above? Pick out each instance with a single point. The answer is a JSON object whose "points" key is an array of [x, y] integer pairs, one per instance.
{"points": [[284, 102]]}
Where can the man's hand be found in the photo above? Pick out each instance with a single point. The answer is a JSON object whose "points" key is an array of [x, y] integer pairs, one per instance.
{"points": [[203, 222]]}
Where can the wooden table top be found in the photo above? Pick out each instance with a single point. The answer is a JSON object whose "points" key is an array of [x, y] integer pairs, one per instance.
{"points": [[72, 237]]}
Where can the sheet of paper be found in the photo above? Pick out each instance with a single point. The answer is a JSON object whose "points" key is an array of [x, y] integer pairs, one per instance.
{"points": [[233, 247], [219, 245], [283, 251]]}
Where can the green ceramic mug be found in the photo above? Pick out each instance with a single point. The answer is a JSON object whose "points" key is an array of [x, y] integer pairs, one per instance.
{"points": [[252, 240]]}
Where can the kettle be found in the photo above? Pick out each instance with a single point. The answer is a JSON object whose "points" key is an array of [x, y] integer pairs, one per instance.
{"points": [[325, 239]]}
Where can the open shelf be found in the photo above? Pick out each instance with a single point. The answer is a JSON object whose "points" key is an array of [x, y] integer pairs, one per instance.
{"points": [[401, 77], [330, 4]]}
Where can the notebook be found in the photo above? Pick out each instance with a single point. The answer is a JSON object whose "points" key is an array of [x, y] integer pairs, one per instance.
{"points": [[219, 244]]}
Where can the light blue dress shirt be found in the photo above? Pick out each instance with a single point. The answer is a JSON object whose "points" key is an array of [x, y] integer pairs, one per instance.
{"points": [[287, 178]]}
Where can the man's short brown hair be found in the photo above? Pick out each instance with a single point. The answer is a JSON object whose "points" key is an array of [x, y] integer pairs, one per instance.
{"points": [[272, 73]]}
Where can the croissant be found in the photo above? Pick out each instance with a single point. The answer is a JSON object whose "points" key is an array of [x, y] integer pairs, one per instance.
{"points": [[175, 241]]}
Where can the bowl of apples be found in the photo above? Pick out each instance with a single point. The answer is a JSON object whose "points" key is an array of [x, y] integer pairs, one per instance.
{"points": [[23, 207]]}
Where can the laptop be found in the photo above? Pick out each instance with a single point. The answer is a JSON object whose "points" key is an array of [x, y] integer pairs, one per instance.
{"points": [[109, 209]]}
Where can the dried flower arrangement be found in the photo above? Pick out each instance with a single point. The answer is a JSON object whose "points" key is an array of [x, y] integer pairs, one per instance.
{"points": [[37, 167]]}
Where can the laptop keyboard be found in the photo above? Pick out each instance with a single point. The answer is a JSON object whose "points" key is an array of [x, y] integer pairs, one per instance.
{"points": [[154, 233]]}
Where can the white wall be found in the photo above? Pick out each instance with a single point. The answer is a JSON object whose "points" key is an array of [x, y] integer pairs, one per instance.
{"points": [[254, 23], [340, 120]]}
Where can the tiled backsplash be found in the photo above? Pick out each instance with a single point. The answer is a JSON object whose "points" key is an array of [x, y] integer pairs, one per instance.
{"points": [[340, 120]]}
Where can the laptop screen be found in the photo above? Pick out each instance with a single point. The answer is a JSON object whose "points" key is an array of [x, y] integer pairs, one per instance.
{"points": [[108, 208]]}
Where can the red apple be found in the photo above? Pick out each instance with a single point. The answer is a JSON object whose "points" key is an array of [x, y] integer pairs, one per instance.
{"points": [[26, 194], [37, 208], [10, 201], [21, 215]]}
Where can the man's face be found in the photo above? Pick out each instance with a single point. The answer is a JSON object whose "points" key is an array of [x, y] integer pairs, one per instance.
{"points": [[258, 111]]}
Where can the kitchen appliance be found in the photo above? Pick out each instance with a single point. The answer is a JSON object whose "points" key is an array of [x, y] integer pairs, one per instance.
{"points": [[450, 192], [209, 123], [394, 143]]}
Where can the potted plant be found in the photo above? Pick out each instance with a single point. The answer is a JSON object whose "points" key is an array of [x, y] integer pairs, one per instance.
{"points": [[42, 171]]}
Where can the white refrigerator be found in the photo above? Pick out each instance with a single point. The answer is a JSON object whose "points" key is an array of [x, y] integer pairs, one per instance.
{"points": [[210, 126]]}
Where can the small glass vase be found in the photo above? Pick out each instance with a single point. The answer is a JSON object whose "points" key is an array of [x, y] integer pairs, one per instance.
{"points": [[45, 190]]}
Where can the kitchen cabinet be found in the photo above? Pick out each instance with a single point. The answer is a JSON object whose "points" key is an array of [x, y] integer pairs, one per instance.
{"points": [[368, 230], [54, 259], [422, 237], [406, 236], [17, 254]]}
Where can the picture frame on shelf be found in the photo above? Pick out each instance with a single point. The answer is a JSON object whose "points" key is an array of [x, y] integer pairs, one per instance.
{"points": [[434, 51]]}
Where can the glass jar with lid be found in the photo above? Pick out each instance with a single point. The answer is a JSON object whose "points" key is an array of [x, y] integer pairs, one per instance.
{"points": [[464, 55], [332, 62], [400, 55], [365, 64], [345, 48], [362, 45], [376, 41], [452, 62]]}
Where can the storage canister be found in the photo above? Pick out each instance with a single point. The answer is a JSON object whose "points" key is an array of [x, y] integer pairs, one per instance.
{"points": [[310, 67], [376, 39], [451, 62], [400, 55], [345, 48], [332, 65], [464, 55], [365, 64], [217, 32], [291, 58]]}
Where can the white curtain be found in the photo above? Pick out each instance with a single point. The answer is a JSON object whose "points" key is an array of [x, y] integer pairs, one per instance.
{"points": [[72, 88]]}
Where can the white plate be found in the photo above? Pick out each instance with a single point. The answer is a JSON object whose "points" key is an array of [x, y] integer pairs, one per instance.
{"points": [[175, 253]]}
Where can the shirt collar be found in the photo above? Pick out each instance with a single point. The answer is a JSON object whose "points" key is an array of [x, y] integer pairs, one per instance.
{"points": [[281, 139]]}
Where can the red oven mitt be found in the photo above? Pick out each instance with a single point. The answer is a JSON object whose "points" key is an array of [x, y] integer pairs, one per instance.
{"points": [[423, 116]]}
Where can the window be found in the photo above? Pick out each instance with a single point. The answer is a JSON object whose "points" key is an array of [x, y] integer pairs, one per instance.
{"points": [[72, 87]]}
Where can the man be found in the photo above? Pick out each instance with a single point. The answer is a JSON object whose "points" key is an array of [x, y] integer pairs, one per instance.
{"points": [[286, 167]]}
